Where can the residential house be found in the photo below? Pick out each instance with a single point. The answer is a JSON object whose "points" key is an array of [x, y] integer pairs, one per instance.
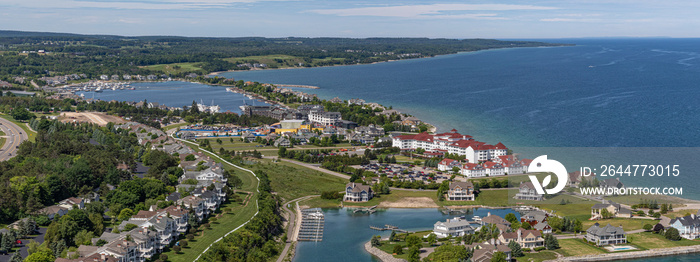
{"points": [[54, 211], [196, 204], [358, 192], [282, 142], [538, 220], [483, 252], [447, 164], [473, 170], [494, 219], [528, 192], [356, 101], [525, 238], [688, 226], [72, 201], [610, 184], [452, 227], [461, 191], [607, 235], [615, 209]]}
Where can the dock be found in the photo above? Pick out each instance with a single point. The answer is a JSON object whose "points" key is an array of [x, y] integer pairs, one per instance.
{"points": [[312, 221], [369, 210], [389, 227]]}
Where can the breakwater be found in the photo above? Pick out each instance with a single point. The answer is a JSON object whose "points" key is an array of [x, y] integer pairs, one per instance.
{"points": [[634, 255]]}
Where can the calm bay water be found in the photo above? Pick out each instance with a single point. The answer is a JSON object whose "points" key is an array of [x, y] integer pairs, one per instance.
{"points": [[613, 92], [177, 94], [345, 233]]}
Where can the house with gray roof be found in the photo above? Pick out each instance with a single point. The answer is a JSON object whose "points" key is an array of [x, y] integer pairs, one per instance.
{"points": [[452, 227], [613, 208], [606, 235], [483, 252], [538, 220], [463, 191], [527, 192], [358, 192], [688, 226]]}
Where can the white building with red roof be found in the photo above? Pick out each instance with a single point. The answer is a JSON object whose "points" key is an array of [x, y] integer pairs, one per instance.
{"points": [[453, 143], [447, 164], [473, 170], [512, 165]]}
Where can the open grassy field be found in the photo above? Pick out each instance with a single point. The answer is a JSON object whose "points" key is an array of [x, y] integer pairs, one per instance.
{"points": [[680, 213], [627, 223], [173, 126], [291, 181], [650, 240], [272, 61], [396, 196], [2, 141], [576, 247], [176, 67], [30, 134], [227, 222]]}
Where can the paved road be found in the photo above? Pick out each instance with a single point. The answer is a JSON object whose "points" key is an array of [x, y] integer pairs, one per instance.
{"points": [[15, 136], [23, 248], [292, 225]]}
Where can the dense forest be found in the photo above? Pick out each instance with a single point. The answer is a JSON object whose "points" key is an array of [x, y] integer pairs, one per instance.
{"points": [[94, 55]]}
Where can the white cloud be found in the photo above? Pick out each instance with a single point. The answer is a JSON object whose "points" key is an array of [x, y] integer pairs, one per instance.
{"points": [[433, 11]]}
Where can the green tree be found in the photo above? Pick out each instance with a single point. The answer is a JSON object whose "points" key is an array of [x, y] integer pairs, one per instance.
{"points": [[398, 249], [414, 254], [648, 227], [16, 257], [392, 237], [672, 234], [551, 242], [526, 226], [515, 249], [376, 241], [189, 157], [510, 217], [21, 114], [413, 240], [432, 239], [499, 257], [41, 256], [83, 237], [125, 214]]}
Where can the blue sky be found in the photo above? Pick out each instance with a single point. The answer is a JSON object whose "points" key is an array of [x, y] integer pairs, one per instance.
{"points": [[313, 18]]}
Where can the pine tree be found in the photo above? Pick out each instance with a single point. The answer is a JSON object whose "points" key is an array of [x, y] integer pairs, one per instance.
{"points": [[515, 249]]}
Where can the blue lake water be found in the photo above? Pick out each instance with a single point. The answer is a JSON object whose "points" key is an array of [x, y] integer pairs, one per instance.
{"points": [[177, 94], [345, 233]]}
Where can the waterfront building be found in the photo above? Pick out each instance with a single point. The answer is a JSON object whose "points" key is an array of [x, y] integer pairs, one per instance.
{"points": [[452, 227], [606, 235], [462, 191], [453, 143], [688, 226], [525, 238], [324, 118], [611, 183], [358, 192], [528, 192], [613, 208], [494, 219]]}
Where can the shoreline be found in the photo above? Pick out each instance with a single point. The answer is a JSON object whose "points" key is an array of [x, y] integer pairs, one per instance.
{"points": [[381, 255], [658, 252], [391, 60]]}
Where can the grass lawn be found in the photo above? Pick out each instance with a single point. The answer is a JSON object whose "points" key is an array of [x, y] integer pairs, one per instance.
{"points": [[2, 133], [537, 257], [291, 181], [650, 240], [395, 196], [627, 223], [2, 141], [31, 134], [319, 202], [576, 247], [175, 68], [680, 213], [174, 126], [223, 225]]}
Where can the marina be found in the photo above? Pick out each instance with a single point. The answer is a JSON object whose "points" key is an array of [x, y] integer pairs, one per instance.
{"points": [[312, 223]]}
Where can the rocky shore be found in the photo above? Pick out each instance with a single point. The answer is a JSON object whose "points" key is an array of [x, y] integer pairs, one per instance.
{"points": [[383, 256], [635, 254]]}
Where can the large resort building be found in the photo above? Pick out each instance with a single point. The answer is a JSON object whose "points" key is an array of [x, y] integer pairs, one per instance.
{"points": [[453, 143]]}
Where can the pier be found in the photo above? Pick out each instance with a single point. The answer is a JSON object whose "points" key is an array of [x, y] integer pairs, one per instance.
{"points": [[312, 221], [389, 227], [369, 210]]}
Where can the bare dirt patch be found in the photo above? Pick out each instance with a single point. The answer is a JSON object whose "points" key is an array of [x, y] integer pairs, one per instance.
{"points": [[411, 202], [90, 117]]}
